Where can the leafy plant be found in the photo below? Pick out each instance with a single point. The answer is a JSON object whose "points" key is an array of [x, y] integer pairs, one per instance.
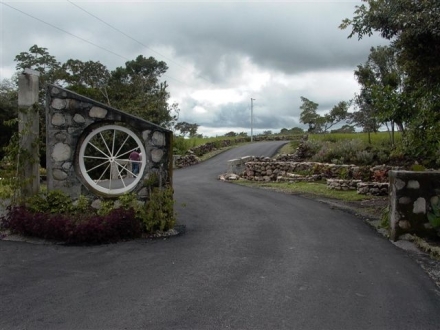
{"points": [[385, 217], [418, 168], [344, 173], [434, 212], [159, 211]]}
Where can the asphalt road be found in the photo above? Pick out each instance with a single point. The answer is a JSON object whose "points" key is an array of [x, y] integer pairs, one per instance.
{"points": [[250, 259]]}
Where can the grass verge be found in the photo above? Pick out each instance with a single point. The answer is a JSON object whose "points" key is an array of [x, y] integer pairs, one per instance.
{"points": [[310, 188]]}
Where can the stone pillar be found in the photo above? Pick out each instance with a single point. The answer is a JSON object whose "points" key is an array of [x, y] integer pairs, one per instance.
{"points": [[28, 125]]}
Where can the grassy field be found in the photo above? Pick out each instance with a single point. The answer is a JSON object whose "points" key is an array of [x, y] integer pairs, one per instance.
{"points": [[309, 188]]}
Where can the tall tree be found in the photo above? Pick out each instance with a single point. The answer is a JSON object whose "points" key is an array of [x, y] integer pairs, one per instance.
{"points": [[413, 28], [136, 89], [308, 115], [381, 81], [87, 78], [337, 114], [187, 128], [39, 59]]}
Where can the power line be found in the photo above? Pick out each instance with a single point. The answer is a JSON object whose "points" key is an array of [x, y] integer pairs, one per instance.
{"points": [[128, 36], [71, 34], [75, 36], [123, 33]]}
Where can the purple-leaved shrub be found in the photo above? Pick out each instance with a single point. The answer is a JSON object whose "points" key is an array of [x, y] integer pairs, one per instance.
{"points": [[119, 224]]}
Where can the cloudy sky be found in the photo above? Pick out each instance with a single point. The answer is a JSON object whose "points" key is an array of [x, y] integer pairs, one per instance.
{"points": [[220, 53]]}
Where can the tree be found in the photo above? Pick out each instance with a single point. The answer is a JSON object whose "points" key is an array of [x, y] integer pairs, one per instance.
{"points": [[344, 129], [8, 111], [135, 88], [231, 134], [268, 132], [87, 78], [365, 117], [39, 59], [296, 130], [413, 28], [338, 113], [384, 80], [187, 128], [308, 115]]}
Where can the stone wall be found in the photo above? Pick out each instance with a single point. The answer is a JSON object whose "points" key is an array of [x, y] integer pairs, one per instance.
{"points": [[271, 170], [339, 177], [70, 117], [414, 203]]}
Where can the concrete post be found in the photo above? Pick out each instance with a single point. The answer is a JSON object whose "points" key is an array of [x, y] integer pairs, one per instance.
{"points": [[28, 126]]}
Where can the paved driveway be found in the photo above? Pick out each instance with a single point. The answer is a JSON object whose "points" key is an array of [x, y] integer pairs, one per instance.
{"points": [[250, 259]]}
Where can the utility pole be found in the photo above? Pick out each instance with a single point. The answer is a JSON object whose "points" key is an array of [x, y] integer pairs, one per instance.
{"points": [[252, 119]]}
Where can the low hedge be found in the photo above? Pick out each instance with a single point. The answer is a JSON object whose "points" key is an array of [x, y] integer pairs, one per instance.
{"points": [[119, 224]]}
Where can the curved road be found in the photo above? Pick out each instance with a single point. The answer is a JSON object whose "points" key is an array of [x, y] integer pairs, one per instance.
{"points": [[250, 259]]}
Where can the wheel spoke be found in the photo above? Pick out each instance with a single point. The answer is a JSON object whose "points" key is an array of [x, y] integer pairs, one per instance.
{"points": [[113, 142], [94, 157], [94, 168], [123, 182], [106, 145], [102, 152], [104, 172], [122, 144]]}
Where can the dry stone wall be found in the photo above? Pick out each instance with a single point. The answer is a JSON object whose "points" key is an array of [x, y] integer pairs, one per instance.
{"points": [[339, 177]]}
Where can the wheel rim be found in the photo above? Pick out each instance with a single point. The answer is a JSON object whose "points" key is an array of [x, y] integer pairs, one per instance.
{"points": [[104, 159]]}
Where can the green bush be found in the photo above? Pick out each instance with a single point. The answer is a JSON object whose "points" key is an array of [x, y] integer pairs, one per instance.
{"points": [[345, 151]]}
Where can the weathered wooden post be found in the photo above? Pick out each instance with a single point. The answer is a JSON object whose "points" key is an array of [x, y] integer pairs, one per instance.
{"points": [[28, 126]]}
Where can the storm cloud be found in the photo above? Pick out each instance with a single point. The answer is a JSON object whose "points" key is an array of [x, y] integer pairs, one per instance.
{"points": [[220, 54]]}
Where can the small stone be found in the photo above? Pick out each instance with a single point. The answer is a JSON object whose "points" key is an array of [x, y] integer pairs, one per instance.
{"points": [[59, 175], [97, 112], [58, 119], [79, 119], [413, 184], [156, 155], [58, 104], [158, 139], [400, 184], [96, 204], [405, 224], [419, 206], [404, 200], [61, 152]]}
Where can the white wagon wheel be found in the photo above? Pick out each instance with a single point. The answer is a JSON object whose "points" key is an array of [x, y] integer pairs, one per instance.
{"points": [[104, 159]]}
